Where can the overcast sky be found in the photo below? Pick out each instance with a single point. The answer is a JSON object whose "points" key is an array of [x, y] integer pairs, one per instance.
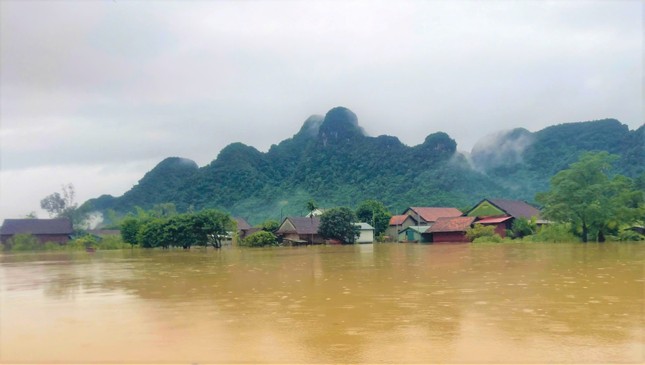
{"points": [[96, 93]]}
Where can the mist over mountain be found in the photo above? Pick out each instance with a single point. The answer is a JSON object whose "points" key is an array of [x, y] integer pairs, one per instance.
{"points": [[331, 160]]}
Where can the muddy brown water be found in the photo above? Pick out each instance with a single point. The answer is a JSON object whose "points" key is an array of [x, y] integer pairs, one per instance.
{"points": [[381, 303]]}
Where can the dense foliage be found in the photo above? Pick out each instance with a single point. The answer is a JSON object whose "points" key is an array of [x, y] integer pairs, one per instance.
{"points": [[591, 200], [331, 161], [207, 227], [260, 239], [339, 224], [375, 213]]}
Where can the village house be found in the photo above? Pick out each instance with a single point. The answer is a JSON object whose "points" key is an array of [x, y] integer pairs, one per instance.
{"points": [[450, 229], [300, 230], [425, 216], [366, 233], [399, 223], [500, 213], [244, 229], [415, 234], [56, 230]]}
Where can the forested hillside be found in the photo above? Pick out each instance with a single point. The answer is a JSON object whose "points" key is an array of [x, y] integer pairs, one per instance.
{"points": [[332, 161]]}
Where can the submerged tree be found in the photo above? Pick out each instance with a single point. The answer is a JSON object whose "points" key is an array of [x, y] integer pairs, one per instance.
{"points": [[339, 224], [375, 213], [594, 203], [65, 206]]}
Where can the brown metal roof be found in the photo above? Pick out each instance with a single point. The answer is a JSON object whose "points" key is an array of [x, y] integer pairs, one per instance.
{"points": [[451, 224], [37, 226], [431, 214], [242, 223]]}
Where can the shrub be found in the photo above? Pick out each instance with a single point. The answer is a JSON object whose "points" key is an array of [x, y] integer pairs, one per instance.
{"points": [[260, 239], [24, 242], [629, 235], [495, 238], [479, 230], [556, 232]]}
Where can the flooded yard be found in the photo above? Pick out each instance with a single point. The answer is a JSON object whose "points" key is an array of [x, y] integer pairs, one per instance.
{"points": [[381, 303]]}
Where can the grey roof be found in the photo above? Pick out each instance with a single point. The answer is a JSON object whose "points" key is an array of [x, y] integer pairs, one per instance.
{"points": [[37, 226], [516, 208], [303, 225], [419, 229], [364, 226]]}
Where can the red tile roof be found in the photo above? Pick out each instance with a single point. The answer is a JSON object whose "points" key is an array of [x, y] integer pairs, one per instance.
{"points": [[431, 214], [397, 220], [451, 224]]}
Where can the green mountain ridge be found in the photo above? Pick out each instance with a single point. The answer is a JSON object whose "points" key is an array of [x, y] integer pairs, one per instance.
{"points": [[332, 161]]}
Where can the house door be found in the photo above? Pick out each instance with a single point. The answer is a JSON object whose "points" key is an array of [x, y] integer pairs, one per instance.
{"points": [[410, 235]]}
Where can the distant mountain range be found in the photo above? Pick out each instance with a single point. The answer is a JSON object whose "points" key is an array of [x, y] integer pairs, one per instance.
{"points": [[333, 162]]}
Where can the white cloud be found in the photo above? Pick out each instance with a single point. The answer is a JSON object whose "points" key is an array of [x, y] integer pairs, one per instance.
{"points": [[97, 83]]}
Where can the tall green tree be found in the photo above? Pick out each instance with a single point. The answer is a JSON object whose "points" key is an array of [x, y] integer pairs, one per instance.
{"points": [[339, 224], [375, 213], [587, 197]]}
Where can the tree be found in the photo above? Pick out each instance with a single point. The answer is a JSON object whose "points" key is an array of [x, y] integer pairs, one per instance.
{"points": [[270, 225], [375, 213], [480, 230], [339, 224], [311, 206], [260, 239], [585, 196], [65, 206], [129, 230], [153, 234], [523, 227]]}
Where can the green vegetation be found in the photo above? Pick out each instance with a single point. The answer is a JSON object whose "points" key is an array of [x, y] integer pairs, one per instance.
{"points": [[270, 225], [375, 213], [28, 242], [339, 224], [330, 161], [65, 206], [594, 203], [207, 227], [481, 231], [260, 239]]}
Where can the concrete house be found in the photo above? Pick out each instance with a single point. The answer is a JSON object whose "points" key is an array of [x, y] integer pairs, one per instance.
{"points": [[45, 230], [366, 233]]}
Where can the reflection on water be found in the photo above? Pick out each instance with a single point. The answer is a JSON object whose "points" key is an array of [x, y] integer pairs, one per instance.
{"points": [[387, 303]]}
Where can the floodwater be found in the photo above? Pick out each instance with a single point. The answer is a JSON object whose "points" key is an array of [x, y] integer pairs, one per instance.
{"points": [[381, 303]]}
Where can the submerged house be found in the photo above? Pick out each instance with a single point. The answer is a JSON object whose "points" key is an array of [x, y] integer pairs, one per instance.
{"points": [[425, 216], [451, 229], [399, 223], [300, 230], [56, 230], [244, 229], [415, 234], [366, 233], [501, 213]]}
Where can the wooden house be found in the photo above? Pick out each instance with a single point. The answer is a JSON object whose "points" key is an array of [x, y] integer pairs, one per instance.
{"points": [[501, 213], [300, 230], [425, 216], [399, 223], [450, 229], [244, 229], [56, 230], [415, 234]]}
